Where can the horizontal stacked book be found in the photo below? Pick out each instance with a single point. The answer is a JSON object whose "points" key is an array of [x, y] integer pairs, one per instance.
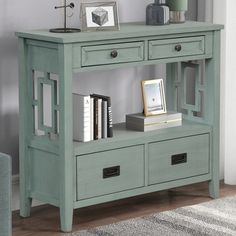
{"points": [[92, 118], [140, 122]]}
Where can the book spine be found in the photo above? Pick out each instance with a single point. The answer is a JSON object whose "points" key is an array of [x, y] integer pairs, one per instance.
{"points": [[85, 134], [95, 114], [99, 118], [104, 119], [81, 117], [109, 113], [91, 118], [109, 121]]}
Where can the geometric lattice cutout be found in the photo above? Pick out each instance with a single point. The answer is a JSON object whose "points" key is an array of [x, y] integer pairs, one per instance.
{"points": [[193, 89], [190, 89], [45, 104]]}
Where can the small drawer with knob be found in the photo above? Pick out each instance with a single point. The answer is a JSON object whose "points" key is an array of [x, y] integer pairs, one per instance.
{"points": [[112, 53], [177, 47]]}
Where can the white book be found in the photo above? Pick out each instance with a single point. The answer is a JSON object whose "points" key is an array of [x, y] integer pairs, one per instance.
{"points": [[91, 118], [99, 118], [81, 117]]}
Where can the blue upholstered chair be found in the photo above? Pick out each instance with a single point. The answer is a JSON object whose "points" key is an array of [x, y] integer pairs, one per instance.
{"points": [[5, 195]]}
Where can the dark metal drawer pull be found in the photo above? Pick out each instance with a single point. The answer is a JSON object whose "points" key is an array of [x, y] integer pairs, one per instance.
{"points": [[178, 48], [111, 172], [178, 159], [114, 54]]}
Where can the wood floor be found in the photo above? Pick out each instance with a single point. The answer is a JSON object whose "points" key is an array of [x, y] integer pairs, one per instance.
{"points": [[44, 220]]}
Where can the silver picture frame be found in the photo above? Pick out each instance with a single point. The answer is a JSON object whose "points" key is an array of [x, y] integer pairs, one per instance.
{"points": [[99, 16], [153, 97]]}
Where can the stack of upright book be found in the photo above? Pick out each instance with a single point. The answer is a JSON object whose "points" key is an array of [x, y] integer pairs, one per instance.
{"points": [[140, 122], [92, 117]]}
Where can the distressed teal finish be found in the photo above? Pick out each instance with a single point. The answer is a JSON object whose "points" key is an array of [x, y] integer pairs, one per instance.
{"points": [[68, 174], [91, 183], [100, 55], [5, 195], [166, 48], [160, 153]]}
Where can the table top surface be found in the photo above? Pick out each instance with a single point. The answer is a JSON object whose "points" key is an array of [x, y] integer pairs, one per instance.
{"points": [[127, 30]]}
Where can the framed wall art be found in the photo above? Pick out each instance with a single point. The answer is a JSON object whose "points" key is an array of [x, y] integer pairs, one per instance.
{"points": [[99, 15], [153, 97]]}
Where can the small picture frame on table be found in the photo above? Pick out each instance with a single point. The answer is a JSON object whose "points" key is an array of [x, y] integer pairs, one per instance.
{"points": [[99, 16], [153, 97]]}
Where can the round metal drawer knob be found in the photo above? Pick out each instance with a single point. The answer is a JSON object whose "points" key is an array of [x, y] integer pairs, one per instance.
{"points": [[178, 48], [114, 54]]}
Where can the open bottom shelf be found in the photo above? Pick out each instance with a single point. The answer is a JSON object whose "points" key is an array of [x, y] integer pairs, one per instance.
{"points": [[123, 137]]}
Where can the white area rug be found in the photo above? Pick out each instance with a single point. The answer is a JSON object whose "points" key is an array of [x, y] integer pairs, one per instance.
{"points": [[214, 218]]}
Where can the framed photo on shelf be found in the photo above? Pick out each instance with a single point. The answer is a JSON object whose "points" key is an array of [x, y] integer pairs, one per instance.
{"points": [[99, 15], [153, 97]]}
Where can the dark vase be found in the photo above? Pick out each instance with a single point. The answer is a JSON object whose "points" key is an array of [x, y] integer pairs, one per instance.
{"points": [[157, 13]]}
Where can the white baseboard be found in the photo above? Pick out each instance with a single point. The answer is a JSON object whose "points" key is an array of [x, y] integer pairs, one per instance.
{"points": [[16, 194]]}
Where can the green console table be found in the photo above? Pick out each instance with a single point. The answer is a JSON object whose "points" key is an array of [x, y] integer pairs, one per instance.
{"points": [[70, 175]]}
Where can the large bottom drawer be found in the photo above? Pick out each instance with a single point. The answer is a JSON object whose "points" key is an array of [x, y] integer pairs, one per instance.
{"points": [[110, 171], [179, 158]]}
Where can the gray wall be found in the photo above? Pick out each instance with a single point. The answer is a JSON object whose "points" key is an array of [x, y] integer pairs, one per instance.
{"points": [[122, 85], [192, 12]]}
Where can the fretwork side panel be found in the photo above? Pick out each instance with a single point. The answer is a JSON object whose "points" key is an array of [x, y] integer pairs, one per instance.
{"points": [[45, 104], [189, 88]]}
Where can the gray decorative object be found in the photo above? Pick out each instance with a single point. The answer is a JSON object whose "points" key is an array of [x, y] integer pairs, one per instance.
{"points": [[5, 195], [100, 16], [157, 13]]}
